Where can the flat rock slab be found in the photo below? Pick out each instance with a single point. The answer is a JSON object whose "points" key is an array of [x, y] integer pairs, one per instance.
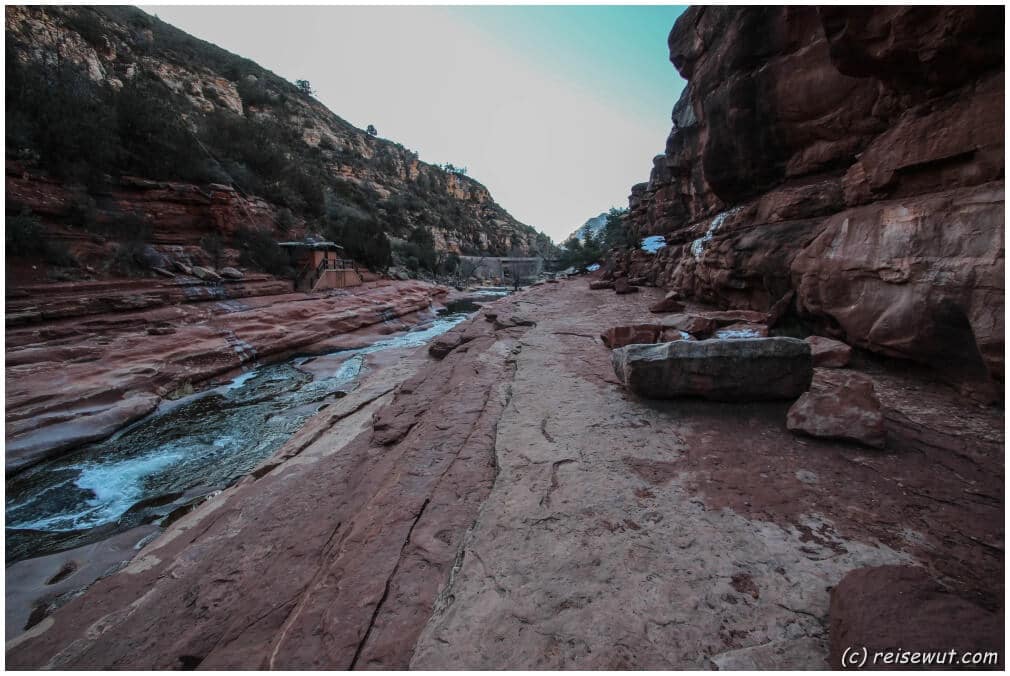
{"points": [[840, 405], [893, 611], [749, 369]]}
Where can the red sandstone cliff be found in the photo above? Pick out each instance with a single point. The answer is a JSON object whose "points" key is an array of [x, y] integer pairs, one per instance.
{"points": [[846, 161]]}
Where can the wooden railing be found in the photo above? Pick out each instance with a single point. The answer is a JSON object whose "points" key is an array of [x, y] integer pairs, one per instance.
{"points": [[307, 280]]}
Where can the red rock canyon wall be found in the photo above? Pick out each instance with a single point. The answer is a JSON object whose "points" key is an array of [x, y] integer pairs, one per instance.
{"points": [[847, 161]]}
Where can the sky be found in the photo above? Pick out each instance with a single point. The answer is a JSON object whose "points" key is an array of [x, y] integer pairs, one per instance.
{"points": [[558, 110]]}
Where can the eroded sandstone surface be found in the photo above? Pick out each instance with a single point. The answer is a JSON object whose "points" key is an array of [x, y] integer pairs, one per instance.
{"points": [[512, 505], [85, 358]]}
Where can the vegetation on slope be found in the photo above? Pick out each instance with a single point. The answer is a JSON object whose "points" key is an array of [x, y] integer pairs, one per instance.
{"points": [[579, 252], [94, 93]]}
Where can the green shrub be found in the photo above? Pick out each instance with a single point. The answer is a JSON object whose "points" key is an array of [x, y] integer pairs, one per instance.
{"points": [[423, 248], [253, 92], [285, 220], [258, 250], [214, 247], [362, 237], [62, 115], [24, 237], [127, 258]]}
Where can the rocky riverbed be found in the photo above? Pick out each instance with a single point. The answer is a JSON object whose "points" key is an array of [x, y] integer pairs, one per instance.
{"points": [[84, 359], [511, 503]]}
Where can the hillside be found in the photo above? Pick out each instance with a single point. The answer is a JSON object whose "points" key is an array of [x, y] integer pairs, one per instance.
{"points": [[123, 130], [594, 226]]}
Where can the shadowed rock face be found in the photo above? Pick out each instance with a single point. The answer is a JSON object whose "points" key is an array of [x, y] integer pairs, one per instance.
{"points": [[754, 369], [839, 154], [902, 608]]}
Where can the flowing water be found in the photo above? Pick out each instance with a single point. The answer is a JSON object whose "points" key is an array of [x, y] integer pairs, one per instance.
{"points": [[183, 451]]}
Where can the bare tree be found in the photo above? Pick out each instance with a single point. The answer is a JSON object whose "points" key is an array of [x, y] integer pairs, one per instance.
{"points": [[467, 267]]}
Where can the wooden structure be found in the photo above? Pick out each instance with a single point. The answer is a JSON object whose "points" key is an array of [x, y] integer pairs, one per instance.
{"points": [[321, 265]]}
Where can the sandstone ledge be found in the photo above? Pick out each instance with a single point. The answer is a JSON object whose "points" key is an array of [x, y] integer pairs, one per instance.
{"points": [[511, 506], [71, 381]]}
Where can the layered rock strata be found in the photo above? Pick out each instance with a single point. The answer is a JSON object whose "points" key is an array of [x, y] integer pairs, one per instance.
{"points": [[86, 359], [849, 160], [510, 505]]}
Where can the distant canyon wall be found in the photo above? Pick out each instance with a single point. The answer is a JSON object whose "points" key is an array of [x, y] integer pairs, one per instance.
{"points": [[847, 162], [360, 176]]}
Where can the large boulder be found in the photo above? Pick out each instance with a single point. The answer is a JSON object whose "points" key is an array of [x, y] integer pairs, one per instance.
{"points": [[754, 369], [900, 610], [829, 353], [840, 405], [919, 278]]}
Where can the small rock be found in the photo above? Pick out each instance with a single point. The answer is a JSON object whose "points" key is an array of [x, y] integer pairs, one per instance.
{"points": [[755, 369], [696, 325], [206, 274], [601, 284], [727, 317], [164, 273], [509, 321], [806, 476], [160, 330], [619, 336], [183, 268], [670, 303], [839, 405], [230, 273], [829, 353], [622, 287], [445, 344]]}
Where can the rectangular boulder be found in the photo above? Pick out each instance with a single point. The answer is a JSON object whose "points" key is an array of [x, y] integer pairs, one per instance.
{"points": [[752, 369]]}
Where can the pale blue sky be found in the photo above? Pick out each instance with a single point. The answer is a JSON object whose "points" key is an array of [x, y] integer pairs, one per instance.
{"points": [[558, 110]]}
